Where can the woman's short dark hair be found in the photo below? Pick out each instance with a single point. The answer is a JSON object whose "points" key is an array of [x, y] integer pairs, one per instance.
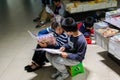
{"points": [[69, 24], [54, 25]]}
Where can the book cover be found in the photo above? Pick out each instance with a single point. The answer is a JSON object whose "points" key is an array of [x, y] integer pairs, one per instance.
{"points": [[48, 38]]}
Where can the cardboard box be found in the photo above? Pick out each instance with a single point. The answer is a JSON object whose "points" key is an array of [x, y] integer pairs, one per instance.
{"points": [[114, 48]]}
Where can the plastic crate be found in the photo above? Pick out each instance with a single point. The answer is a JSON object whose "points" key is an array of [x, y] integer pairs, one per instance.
{"points": [[74, 70]]}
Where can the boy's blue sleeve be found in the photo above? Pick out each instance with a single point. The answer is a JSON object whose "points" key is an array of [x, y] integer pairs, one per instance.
{"points": [[80, 51], [66, 46], [79, 55], [44, 31]]}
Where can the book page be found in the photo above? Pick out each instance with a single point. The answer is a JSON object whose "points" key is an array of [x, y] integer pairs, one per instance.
{"points": [[52, 51], [34, 36]]}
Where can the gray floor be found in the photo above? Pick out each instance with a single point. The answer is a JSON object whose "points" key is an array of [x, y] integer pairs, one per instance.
{"points": [[16, 47]]}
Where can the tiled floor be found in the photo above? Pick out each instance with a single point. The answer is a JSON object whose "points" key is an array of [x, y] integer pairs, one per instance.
{"points": [[16, 47]]}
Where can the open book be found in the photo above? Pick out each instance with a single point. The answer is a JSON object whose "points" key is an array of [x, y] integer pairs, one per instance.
{"points": [[48, 38], [52, 51], [33, 35]]}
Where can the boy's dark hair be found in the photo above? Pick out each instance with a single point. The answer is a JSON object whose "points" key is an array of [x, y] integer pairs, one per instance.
{"points": [[69, 24], [54, 25], [56, 0], [89, 21]]}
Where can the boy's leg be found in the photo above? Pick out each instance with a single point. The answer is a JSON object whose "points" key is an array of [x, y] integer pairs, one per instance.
{"points": [[44, 2], [39, 57], [49, 56], [38, 60], [37, 19], [43, 6], [43, 15], [43, 18], [60, 64]]}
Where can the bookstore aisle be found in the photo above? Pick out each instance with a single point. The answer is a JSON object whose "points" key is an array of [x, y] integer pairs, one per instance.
{"points": [[16, 47]]}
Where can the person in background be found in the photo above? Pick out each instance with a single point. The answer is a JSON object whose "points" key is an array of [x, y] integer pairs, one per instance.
{"points": [[58, 9], [72, 52], [39, 58], [89, 21], [44, 3], [86, 27]]}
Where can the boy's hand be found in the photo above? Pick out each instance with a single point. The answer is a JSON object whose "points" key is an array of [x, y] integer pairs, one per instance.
{"points": [[64, 54], [42, 43], [62, 49]]}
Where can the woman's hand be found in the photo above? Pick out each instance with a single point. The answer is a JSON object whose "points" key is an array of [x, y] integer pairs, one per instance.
{"points": [[42, 44]]}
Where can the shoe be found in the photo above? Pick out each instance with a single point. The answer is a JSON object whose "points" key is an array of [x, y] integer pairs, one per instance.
{"points": [[40, 24], [62, 76], [93, 42], [47, 64], [32, 67], [36, 19], [55, 75], [37, 26], [31, 70], [26, 67]]}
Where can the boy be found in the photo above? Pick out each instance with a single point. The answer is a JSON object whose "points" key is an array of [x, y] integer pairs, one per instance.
{"points": [[39, 57], [72, 53], [89, 31], [59, 8], [44, 3], [86, 27]]}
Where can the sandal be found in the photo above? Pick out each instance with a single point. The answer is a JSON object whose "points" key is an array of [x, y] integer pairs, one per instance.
{"points": [[28, 66], [39, 25], [36, 19], [30, 69]]}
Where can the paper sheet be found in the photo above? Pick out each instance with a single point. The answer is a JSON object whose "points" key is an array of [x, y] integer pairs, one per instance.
{"points": [[53, 51], [33, 35]]}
